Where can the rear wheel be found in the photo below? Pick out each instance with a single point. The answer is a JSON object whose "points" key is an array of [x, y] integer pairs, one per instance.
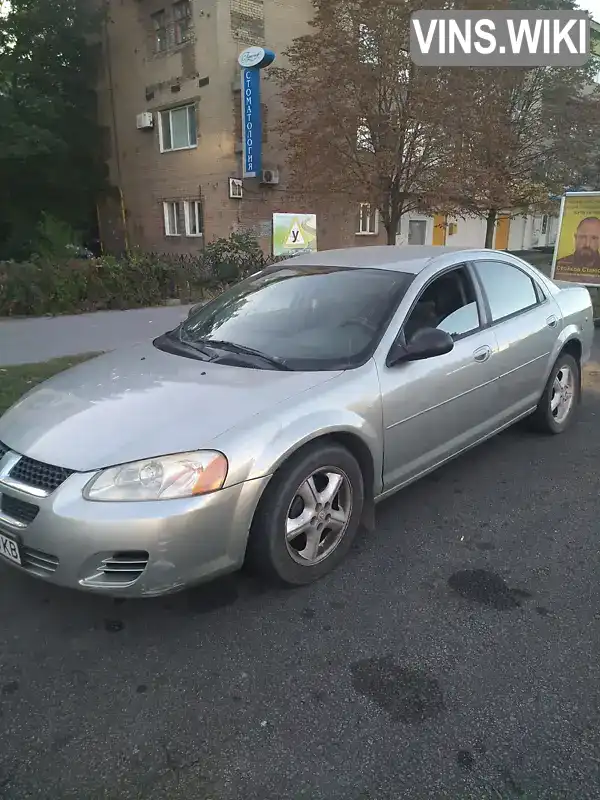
{"points": [[308, 516], [559, 402]]}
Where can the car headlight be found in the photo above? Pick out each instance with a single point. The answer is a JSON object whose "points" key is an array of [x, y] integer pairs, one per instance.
{"points": [[164, 478]]}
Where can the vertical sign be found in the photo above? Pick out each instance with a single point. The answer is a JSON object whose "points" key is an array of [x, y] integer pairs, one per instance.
{"points": [[251, 122], [252, 60]]}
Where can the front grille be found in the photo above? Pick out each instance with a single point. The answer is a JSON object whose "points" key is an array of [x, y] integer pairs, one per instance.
{"points": [[124, 567], [3, 450], [18, 509], [38, 562], [38, 475]]}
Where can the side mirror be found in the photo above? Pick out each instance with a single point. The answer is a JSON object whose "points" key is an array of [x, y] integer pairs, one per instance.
{"points": [[426, 343], [194, 309]]}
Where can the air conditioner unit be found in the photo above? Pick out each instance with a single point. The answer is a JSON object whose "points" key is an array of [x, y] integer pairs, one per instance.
{"points": [[270, 177], [236, 189], [144, 121]]}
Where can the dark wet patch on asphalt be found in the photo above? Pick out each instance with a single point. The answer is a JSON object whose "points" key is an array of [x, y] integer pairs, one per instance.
{"points": [[113, 625], [487, 588], [485, 545], [465, 760], [10, 688], [408, 695]]}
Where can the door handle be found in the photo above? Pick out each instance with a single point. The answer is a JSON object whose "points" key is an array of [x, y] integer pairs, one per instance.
{"points": [[552, 321], [482, 353]]}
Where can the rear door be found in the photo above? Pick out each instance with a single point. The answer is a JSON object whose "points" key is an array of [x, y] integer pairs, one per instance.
{"points": [[526, 321]]}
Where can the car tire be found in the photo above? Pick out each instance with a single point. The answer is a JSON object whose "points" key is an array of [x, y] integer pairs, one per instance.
{"points": [[295, 539], [554, 415]]}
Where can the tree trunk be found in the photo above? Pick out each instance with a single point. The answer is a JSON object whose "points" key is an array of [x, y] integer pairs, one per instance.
{"points": [[394, 222], [490, 226]]}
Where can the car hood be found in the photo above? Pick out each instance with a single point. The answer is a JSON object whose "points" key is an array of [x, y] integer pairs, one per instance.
{"points": [[141, 402]]}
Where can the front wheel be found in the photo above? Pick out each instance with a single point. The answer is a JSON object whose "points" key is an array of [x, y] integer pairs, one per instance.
{"points": [[308, 516], [558, 404]]}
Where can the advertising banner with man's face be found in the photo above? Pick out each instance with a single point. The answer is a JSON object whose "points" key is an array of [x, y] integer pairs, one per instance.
{"points": [[577, 250]]}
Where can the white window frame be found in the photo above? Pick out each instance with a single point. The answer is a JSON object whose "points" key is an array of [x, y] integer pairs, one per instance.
{"points": [[367, 45], [236, 189], [192, 210], [168, 230], [169, 111], [364, 140], [372, 220]]}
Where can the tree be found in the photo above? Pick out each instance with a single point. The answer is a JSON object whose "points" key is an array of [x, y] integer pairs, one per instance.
{"points": [[360, 119], [526, 135], [50, 144], [363, 121]]}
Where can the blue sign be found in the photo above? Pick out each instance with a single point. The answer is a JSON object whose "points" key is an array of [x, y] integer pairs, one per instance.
{"points": [[252, 60], [251, 122]]}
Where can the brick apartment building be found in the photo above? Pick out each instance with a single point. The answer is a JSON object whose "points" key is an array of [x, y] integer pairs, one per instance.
{"points": [[170, 103], [169, 99]]}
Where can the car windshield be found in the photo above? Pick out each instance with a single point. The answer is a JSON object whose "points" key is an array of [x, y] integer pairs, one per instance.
{"points": [[302, 318]]}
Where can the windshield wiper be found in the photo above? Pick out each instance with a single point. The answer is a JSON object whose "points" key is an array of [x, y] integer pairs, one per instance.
{"points": [[241, 349]]}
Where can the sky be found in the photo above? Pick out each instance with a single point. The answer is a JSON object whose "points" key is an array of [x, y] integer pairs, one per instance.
{"points": [[593, 6]]}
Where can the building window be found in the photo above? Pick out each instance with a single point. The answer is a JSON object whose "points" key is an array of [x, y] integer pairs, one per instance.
{"points": [[193, 217], [172, 214], [364, 140], [182, 21], [159, 21], [368, 220], [367, 45], [177, 130]]}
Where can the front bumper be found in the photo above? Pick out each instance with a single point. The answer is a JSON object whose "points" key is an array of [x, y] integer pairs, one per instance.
{"points": [[127, 549]]}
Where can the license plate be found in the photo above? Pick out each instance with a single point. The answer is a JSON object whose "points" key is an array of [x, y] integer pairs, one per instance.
{"points": [[9, 549]]}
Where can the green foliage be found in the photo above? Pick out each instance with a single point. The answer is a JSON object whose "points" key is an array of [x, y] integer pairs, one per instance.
{"points": [[50, 143], [54, 238], [230, 259], [52, 285]]}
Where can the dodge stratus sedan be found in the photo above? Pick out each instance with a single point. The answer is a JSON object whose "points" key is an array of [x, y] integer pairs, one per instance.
{"points": [[265, 427]]}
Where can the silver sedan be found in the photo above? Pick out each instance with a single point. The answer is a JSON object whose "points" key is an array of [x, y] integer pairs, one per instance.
{"points": [[265, 427]]}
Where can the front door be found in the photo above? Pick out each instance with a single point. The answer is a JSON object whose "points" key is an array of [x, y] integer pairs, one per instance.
{"points": [[502, 232], [433, 409], [417, 230]]}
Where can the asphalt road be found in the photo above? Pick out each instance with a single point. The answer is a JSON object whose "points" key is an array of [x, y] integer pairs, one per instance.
{"points": [[407, 674]]}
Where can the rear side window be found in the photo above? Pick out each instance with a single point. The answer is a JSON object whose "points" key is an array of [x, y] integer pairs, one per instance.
{"points": [[509, 290]]}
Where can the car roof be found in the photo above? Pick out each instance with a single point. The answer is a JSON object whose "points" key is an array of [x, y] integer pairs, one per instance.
{"points": [[401, 258]]}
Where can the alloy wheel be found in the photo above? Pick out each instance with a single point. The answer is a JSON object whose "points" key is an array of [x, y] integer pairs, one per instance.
{"points": [[318, 515]]}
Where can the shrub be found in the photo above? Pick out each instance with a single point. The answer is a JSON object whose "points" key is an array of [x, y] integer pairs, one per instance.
{"points": [[47, 285]]}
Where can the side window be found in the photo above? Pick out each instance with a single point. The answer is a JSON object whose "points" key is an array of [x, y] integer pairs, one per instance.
{"points": [[508, 289], [448, 303], [462, 321]]}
